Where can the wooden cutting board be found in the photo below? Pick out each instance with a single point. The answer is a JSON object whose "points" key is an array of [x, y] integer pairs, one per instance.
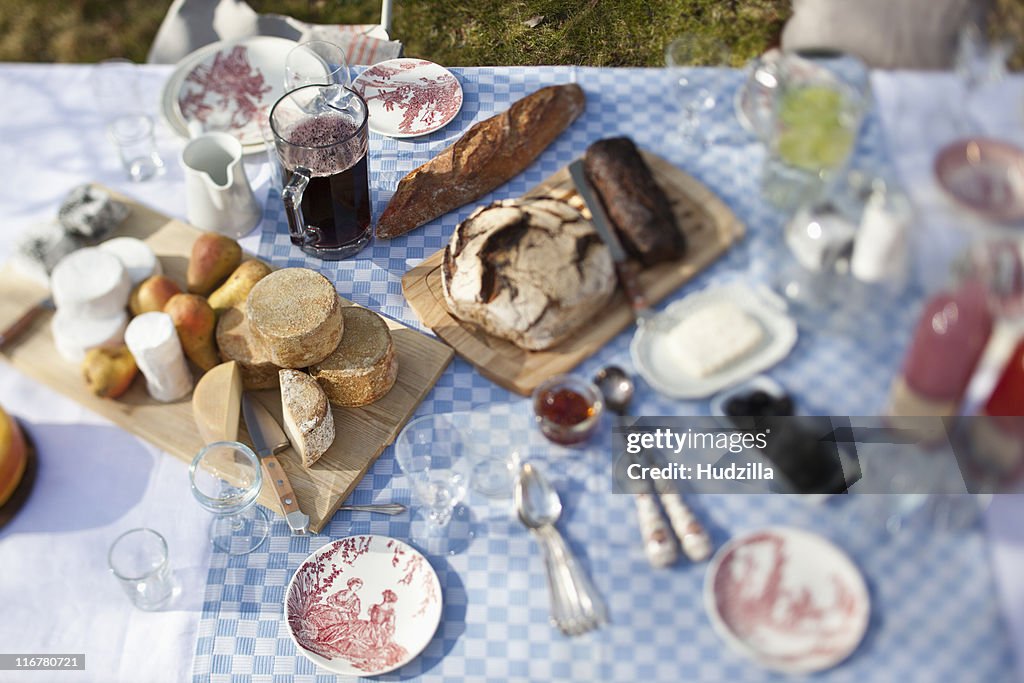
{"points": [[715, 229], [363, 433]]}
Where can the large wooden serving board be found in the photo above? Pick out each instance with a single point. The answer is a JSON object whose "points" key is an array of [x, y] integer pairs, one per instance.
{"points": [[518, 370], [363, 433]]}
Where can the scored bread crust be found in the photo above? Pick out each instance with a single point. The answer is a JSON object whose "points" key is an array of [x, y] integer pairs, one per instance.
{"points": [[296, 314], [490, 153], [308, 419], [531, 271], [364, 367]]}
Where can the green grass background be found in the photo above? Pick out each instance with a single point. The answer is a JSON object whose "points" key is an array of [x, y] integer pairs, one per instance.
{"points": [[451, 32]]}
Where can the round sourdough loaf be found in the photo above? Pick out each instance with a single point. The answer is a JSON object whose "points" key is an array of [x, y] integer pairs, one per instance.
{"points": [[527, 270], [236, 343], [13, 456], [296, 315], [363, 368]]}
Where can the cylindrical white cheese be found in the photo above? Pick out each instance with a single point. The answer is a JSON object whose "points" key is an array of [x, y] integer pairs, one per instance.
{"points": [[154, 342], [74, 335], [90, 283], [135, 255]]}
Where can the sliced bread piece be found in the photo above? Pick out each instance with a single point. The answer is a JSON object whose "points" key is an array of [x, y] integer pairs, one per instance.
{"points": [[308, 420]]}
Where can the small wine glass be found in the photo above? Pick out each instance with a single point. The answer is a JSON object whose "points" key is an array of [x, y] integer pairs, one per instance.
{"points": [[435, 456], [316, 62], [695, 100], [980, 62], [226, 479]]}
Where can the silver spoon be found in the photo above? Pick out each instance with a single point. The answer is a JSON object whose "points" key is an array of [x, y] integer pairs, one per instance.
{"points": [[617, 388], [575, 604], [381, 508]]}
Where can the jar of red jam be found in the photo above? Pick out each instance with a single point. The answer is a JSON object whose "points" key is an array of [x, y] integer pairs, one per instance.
{"points": [[567, 409]]}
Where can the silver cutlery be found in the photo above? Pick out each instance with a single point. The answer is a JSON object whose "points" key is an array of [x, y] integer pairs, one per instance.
{"points": [[617, 388], [379, 508], [576, 606]]}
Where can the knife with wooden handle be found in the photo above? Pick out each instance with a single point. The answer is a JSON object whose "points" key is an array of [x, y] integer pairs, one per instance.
{"points": [[16, 328], [268, 439]]}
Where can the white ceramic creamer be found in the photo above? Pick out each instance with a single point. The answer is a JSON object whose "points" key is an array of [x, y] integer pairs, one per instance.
{"points": [[217, 190]]}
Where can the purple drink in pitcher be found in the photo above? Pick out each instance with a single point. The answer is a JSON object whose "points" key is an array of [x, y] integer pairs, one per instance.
{"points": [[321, 138]]}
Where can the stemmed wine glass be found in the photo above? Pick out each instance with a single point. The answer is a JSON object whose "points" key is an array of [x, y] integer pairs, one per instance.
{"points": [[695, 99], [316, 62], [434, 455], [226, 479]]}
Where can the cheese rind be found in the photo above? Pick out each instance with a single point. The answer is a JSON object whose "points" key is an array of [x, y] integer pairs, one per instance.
{"points": [[235, 342], [74, 335], [154, 343], [217, 402], [363, 368], [712, 338], [308, 419], [135, 255], [295, 314], [90, 283]]}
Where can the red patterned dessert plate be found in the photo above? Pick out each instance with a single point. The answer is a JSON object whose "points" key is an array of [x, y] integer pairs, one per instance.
{"points": [[787, 599], [409, 97], [985, 176], [229, 86], [363, 605]]}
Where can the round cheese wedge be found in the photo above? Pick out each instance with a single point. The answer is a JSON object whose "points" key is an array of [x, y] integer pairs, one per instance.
{"points": [[90, 283], [308, 419], [135, 255], [295, 313], [363, 368], [13, 456], [74, 335], [235, 342]]}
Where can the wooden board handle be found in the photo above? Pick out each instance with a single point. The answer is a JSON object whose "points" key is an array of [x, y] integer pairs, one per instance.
{"points": [[12, 331]]}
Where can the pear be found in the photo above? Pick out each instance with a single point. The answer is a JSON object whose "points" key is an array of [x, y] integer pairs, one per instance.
{"points": [[152, 294], [109, 371], [214, 257], [236, 289], [195, 322]]}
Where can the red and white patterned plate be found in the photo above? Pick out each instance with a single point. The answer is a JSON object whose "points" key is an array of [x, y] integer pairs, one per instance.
{"points": [[229, 87], [788, 599], [409, 97], [363, 605], [985, 176]]}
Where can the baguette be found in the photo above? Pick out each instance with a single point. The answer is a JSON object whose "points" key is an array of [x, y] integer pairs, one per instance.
{"points": [[490, 153]]}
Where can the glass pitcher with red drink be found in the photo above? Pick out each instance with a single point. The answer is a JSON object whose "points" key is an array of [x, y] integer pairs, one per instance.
{"points": [[320, 134]]}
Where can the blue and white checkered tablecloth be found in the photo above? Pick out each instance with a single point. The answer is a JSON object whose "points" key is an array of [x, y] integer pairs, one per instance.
{"points": [[935, 615]]}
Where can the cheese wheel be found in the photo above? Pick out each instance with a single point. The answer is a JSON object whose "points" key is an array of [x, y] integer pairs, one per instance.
{"points": [[713, 337], [296, 314], [308, 419], [74, 335], [135, 255], [154, 343], [90, 283], [236, 343], [363, 368]]}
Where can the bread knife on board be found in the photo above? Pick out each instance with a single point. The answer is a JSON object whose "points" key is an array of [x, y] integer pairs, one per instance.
{"points": [[625, 267], [269, 439]]}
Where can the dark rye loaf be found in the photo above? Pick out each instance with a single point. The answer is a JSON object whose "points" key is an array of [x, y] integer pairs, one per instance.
{"points": [[638, 208]]}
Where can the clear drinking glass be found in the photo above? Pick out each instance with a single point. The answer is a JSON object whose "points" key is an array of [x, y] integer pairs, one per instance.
{"points": [[433, 452], [138, 559], [695, 101], [132, 134], [226, 480], [316, 62]]}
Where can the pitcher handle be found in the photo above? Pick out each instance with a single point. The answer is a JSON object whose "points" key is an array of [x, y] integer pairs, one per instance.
{"points": [[292, 197]]}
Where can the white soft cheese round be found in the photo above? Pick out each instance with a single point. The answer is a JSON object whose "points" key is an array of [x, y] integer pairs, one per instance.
{"points": [[90, 283], [135, 255], [154, 343], [74, 335]]}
